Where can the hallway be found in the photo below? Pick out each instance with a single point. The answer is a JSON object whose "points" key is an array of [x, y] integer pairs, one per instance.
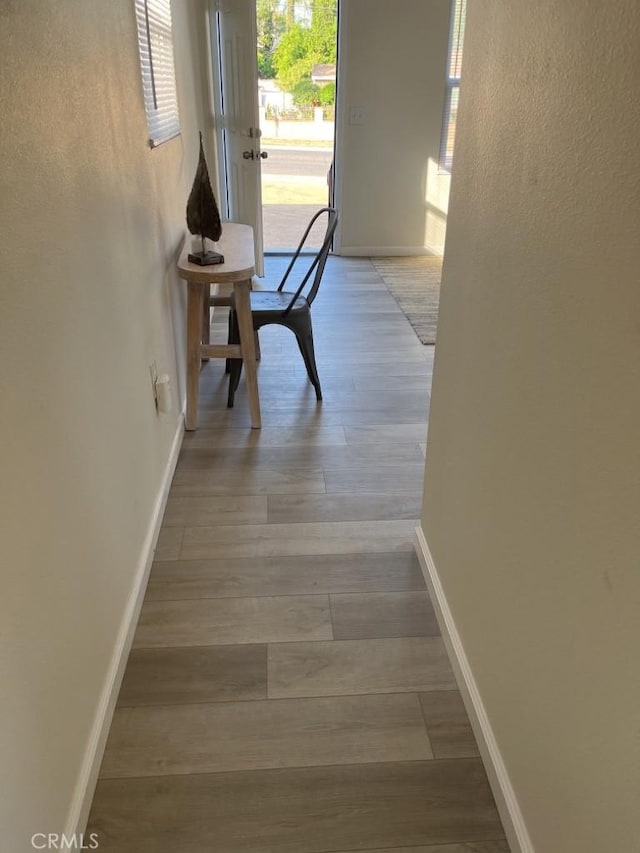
{"points": [[288, 690]]}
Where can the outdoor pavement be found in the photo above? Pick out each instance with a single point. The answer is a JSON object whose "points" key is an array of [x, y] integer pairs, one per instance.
{"points": [[291, 173]]}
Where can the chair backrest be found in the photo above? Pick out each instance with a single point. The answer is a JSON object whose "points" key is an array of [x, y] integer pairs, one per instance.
{"points": [[318, 261]]}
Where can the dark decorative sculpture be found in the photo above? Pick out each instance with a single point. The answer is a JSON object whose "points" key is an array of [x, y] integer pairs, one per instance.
{"points": [[203, 216]]}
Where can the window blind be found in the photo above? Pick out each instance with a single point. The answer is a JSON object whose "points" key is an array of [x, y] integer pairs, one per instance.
{"points": [[155, 42], [457, 38], [454, 70]]}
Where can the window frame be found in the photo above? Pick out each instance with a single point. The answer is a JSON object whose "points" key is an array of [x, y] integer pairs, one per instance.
{"points": [[452, 83], [155, 45]]}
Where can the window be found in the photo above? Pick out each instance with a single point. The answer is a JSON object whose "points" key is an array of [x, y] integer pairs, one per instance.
{"points": [[454, 67], [155, 42]]}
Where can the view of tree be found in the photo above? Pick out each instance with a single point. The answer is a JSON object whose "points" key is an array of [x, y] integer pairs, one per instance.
{"points": [[290, 12], [306, 93], [324, 29], [271, 25], [328, 95], [293, 36], [292, 58]]}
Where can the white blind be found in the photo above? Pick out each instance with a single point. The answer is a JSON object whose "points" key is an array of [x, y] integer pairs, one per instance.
{"points": [[155, 42], [454, 70]]}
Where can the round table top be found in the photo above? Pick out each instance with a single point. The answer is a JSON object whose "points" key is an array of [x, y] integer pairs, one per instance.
{"points": [[236, 244]]}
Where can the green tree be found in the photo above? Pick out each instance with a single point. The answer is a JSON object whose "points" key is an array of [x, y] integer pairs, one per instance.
{"points": [[306, 93], [328, 95], [290, 12], [307, 42], [271, 25], [292, 57], [324, 30]]}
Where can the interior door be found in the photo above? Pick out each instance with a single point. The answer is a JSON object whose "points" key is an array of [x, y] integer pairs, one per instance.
{"points": [[235, 76]]}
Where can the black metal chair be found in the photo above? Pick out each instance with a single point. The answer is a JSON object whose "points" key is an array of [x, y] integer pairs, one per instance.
{"points": [[286, 308]]}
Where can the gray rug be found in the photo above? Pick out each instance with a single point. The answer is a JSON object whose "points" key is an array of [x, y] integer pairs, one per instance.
{"points": [[414, 282]]}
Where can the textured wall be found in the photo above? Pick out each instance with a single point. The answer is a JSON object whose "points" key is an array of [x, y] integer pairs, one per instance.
{"points": [[392, 65], [90, 221], [532, 498]]}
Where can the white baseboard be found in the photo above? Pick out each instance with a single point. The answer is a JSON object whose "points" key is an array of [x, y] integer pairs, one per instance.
{"points": [[384, 251], [506, 802], [88, 775]]}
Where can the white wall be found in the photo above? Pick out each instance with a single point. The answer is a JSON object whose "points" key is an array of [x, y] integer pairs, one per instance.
{"points": [[91, 219], [392, 65], [532, 494]]}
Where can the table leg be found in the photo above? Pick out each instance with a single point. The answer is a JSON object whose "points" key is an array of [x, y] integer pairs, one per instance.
{"points": [[194, 339], [242, 290]]}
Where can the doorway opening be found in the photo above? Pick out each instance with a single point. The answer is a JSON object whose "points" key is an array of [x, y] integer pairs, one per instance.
{"points": [[297, 59]]}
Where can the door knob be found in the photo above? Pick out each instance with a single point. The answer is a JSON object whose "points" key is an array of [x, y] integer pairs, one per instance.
{"points": [[248, 155], [264, 154]]}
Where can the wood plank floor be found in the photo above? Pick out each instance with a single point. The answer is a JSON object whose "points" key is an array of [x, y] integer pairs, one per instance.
{"points": [[288, 690]]}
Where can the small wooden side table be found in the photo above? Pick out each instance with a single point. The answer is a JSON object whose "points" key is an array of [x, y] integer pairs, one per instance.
{"points": [[236, 244]]}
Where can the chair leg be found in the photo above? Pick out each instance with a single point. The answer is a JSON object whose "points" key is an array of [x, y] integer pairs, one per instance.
{"points": [[206, 319], [234, 380], [233, 365], [227, 363], [304, 335]]}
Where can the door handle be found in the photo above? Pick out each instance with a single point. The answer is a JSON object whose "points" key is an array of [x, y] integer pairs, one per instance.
{"points": [[264, 154], [248, 155]]}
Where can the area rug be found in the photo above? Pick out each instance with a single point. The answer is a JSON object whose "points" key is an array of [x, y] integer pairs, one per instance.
{"points": [[414, 282]]}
